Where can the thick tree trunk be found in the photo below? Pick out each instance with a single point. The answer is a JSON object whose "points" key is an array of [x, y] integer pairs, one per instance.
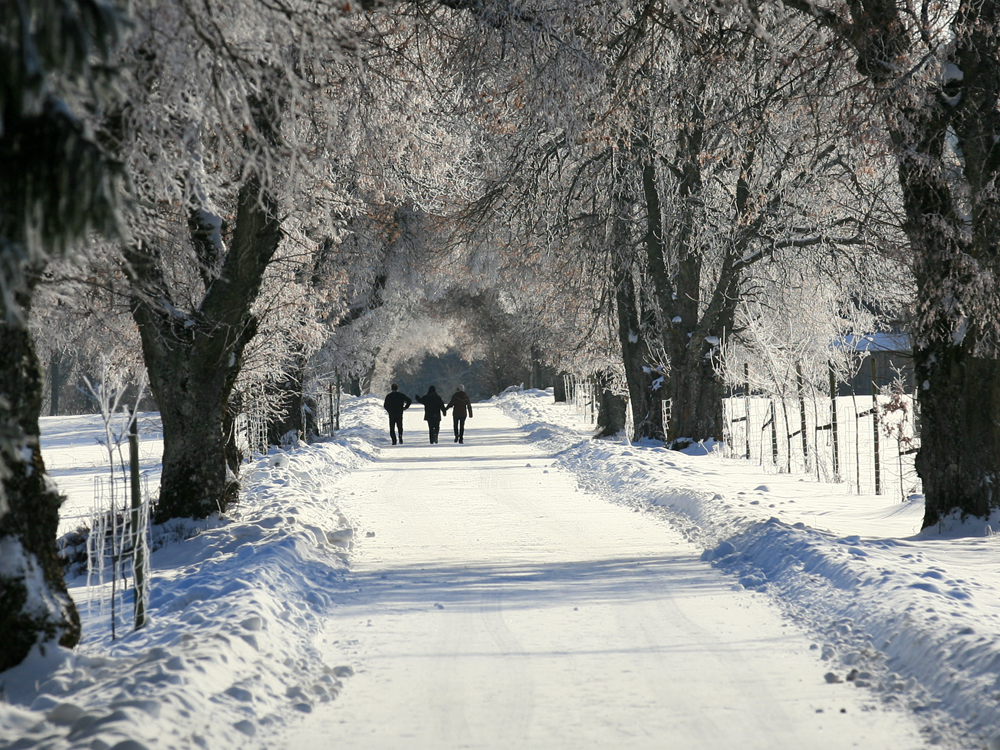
{"points": [[957, 268], [647, 413], [955, 346], [611, 412], [559, 388], [289, 422], [35, 606], [234, 455], [695, 392], [195, 481], [944, 131], [193, 359], [55, 381], [959, 457], [634, 324], [692, 386], [354, 387], [296, 417]]}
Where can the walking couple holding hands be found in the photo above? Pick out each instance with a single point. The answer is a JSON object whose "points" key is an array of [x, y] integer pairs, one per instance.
{"points": [[434, 408]]}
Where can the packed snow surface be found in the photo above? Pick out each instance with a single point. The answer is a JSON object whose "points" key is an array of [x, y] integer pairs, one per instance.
{"points": [[531, 588]]}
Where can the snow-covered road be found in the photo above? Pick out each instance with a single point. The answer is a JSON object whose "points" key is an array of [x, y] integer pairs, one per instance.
{"points": [[493, 604]]}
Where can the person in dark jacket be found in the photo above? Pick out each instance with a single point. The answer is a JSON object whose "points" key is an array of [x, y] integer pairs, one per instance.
{"points": [[396, 403], [433, 409], [461, 406]]}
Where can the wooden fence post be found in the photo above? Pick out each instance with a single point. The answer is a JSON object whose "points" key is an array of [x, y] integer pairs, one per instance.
{"points": [[746, 402], [336, 417], [875, 440], [833, 424], [138, 542], [802, 413], [774, 433]]}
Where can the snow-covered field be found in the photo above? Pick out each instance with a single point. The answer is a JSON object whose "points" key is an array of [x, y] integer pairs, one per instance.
{"points": [[77, 458], [258, 620]]}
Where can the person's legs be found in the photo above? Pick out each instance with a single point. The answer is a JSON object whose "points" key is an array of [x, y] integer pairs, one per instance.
{"points": [[435, 429], [454, 421], [392, 428], [461, 429]]}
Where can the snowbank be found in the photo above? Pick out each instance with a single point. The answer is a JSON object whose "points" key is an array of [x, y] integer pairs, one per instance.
{"points": [[912, 616], [228, 656]]}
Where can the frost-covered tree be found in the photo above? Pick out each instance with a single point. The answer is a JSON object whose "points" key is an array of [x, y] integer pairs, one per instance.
{"points": [[736, 166], [57, 186], [685, 156], [80, 322], [933, 74], [230, 133]]}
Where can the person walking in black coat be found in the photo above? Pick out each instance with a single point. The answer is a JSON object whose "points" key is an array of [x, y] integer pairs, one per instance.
{"points": [[461, 406], [396, 403], [433, 409]]}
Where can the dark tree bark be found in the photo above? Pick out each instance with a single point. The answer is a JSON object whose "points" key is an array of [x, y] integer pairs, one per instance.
{"points": [[633, 331], [28, 528], [538, 374], [55, 382], [693, 387], [234, 454], [559, 388], [354, 387], [611, 410], [694, 325], [946, 133], [56, 189], [193, 359], [695, 392], [297, 411]]}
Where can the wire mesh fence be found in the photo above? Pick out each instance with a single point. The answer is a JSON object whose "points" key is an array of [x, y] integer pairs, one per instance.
{"points": [[250, 428], [867, 442], [581, 393], [118, 550]]}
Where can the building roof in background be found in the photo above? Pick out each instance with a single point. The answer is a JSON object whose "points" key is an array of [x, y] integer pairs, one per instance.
{"points": [[875, 342]]}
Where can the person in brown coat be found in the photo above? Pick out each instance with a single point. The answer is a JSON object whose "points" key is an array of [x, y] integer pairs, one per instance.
{"points": [[461, 406]]}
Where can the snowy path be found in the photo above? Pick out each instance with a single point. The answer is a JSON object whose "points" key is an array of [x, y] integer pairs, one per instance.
{"points": [[498, 607]]}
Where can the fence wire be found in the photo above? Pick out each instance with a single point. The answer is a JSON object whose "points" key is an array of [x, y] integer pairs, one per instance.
{"points": [[868, 443], [111, 552]]}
